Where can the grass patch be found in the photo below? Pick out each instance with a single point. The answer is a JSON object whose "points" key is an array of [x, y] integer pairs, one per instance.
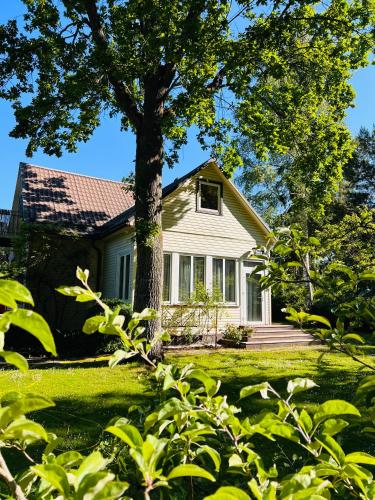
{"points": [[87, 398]]}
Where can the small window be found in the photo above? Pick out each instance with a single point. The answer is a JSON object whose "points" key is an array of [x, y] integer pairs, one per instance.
{"points": [[167, 277], [124, 277], [192, 275], [209, 197], [224, 279]]}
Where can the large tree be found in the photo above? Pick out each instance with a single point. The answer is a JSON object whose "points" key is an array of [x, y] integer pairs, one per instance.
{"points": [[260, 68]]}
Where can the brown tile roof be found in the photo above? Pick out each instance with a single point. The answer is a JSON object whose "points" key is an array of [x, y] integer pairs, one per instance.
{"points": [[76, 201]]}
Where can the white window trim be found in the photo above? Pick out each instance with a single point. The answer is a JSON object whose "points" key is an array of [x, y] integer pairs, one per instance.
{"points": [[237, 278], [117, 281], [168, 302], [191, 273], [244, 270], [175, 277], [219, 193]]}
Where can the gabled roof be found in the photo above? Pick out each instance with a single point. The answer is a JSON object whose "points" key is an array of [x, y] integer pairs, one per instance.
{"points": [[73, 200], [89, 204]]}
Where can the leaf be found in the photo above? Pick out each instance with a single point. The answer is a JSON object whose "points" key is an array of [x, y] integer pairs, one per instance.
{"points": [[319, 319], [209, 383], [15, 359], [333, 448], [35, 324], [214, 454], [360, 457], [333, 426], [69, 459], [313, 241], [82, 275], [93, 463], [252, 389], [15, 404], [7, 300], [23, 429], [334, 407], [299, 385], [189, 470], [370, 276], [127, 433], [354, 336], [54, 475], [228, 493], [71, 291], [93, 324], [112, 490], [17, 291], [118, 356], [305, 420]]}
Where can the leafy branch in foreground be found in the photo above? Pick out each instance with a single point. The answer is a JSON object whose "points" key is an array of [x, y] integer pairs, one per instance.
{"points": [[112, 323], [191, 440]]}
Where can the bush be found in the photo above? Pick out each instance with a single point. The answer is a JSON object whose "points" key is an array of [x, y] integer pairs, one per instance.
{"points": [[234, 334]]}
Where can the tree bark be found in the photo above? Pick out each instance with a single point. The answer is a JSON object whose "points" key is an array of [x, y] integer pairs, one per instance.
{"points": [[148, 206]]}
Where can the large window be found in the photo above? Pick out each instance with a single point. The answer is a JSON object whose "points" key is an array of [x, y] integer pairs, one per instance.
{"points": [[123, 282], [209, 197], [224, 279], [192, 275], [167, 277]]}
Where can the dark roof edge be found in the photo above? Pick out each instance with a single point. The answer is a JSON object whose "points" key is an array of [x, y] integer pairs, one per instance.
{"points": [[122, 220]]}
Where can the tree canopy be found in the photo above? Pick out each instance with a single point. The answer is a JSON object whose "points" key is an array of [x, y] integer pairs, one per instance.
{"points": [[271, 65], [268, 70]]}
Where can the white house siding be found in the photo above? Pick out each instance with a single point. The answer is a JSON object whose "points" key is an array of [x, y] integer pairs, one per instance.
{"points": [[113, 247], [233, 234]]}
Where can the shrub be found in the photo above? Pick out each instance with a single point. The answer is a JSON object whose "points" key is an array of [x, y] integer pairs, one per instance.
{"points": [[234, 334]]}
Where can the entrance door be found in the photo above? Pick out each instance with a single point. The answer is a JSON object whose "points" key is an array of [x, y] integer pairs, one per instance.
{"points": [[253, 307]]}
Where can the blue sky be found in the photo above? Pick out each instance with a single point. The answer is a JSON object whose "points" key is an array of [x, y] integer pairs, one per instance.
{"points": [[110, 153]]}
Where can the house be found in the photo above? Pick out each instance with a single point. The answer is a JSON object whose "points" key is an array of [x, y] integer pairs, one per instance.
{"points": [[209, 233]]}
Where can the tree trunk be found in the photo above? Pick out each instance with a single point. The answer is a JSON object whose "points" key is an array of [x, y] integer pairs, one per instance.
{"points": [[148, 206]]}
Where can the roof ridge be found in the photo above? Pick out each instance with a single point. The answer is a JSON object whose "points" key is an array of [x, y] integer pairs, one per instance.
{"points": [[22, 163]]}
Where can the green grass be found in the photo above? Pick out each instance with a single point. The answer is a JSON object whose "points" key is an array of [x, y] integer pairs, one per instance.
{"points": [[87, 398]]}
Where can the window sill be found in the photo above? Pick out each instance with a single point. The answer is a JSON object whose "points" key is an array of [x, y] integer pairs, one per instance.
{"points": [[208, 211]]}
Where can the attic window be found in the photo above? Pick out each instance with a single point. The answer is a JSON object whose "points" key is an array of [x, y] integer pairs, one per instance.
{"points": [[209, 197]]}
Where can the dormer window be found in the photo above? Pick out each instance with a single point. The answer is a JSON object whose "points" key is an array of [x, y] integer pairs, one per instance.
{"points": [[209, 197]]}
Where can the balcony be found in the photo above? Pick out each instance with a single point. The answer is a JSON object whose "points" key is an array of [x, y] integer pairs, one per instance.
{"points": [[9, 226]]}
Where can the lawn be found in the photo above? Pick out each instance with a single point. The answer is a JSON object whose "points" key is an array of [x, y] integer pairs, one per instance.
{"points": [[86, 398]]}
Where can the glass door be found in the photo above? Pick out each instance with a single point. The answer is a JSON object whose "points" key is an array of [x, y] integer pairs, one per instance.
{"points": [[253, 298], [253, 295]]}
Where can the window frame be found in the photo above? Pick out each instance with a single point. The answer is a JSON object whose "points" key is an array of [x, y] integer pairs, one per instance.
{"points": [[169, 301], [125, 286], [236, 282], [219, 186], [192, 285]]}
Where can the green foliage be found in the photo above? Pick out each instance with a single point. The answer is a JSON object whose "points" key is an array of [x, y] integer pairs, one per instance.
{"points": [[193, 432], [11, 294], [281, 70], [304, 263], [233, 333]]}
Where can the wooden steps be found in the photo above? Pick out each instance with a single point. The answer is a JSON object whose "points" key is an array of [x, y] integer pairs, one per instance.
{"points": [[277, 335]]}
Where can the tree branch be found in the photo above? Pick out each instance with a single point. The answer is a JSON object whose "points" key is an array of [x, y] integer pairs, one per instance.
{"points": [[122, 93], [5, 473]]}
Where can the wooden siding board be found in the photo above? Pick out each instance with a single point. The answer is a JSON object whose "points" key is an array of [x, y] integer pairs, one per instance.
{"points": [[233, 235]]}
